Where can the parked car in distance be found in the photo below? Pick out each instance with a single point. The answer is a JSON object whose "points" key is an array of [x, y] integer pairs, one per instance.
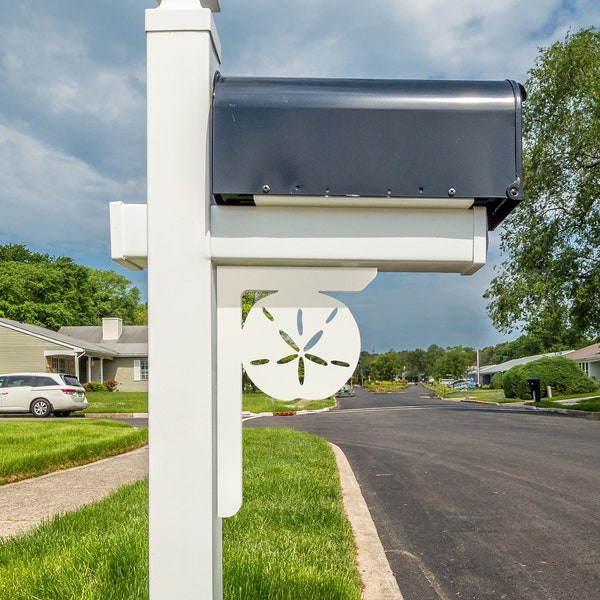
{"points": [[463, 384], [41, 394], [346, 391]]}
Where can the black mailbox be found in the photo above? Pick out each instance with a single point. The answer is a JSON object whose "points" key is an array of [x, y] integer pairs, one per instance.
{"points": [[534, 388], [371, 139]]}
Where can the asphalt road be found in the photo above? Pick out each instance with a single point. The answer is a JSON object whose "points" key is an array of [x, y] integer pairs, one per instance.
{"points": [[473, 502]]}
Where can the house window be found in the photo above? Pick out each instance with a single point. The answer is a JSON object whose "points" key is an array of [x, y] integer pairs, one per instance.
{"points": [[140, 370], [585, 367], [59, 364]]}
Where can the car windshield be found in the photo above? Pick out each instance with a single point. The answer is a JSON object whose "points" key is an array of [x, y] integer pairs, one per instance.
{"points": [[71, 380]]}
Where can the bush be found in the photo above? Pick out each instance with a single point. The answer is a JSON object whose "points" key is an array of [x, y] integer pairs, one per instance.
{"points": [[562, 374], [94, 386], [496, 382], [385, 386], [111, 384]]}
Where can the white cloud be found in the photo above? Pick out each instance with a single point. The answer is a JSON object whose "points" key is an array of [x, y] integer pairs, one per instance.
{"points": [[51, 199]]}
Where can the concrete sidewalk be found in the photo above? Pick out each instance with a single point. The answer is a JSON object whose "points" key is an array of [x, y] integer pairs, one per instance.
{"points": [[26, 504]]}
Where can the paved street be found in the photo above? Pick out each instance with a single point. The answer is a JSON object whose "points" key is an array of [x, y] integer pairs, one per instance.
{"points": [[471, 501]]}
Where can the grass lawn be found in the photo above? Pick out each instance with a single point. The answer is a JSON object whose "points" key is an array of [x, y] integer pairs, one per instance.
{"points": [[481, 394], [97, 553], [591, 404], [258, 402], [290, 540], [137, 402], [117, 402], [31, 448]]}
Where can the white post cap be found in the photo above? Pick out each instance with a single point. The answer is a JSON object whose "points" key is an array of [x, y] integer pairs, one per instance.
{"points": [[186, 4]]}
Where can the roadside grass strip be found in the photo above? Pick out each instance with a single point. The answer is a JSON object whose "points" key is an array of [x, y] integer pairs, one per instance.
{"points": [[588, 405], [33, 448], [290, 541], [99, 552], [137, 402], [257, 402], [117, 402]]}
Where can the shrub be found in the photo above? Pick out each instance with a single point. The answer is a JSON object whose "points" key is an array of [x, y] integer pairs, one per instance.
{"points": [[496, 382], [562, 374], [385, 386], [94, 386], [111, 384]]}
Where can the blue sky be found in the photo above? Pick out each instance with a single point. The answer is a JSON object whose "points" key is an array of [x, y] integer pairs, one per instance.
{"points": [[72, 117]]}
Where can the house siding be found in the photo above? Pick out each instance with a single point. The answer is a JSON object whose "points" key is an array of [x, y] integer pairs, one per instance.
{"points": [[121, 369], [593, 369], [23, 352]]}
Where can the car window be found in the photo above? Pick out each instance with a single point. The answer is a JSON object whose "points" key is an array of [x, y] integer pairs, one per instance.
{"points": [[2, 380], [19, 380], [70, 380], [43, 381]]}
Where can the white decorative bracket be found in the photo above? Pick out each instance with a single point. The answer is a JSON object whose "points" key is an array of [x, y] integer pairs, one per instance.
{"points": [[297, 323]]}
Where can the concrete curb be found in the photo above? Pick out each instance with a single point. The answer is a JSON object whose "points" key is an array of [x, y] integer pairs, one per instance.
{"points": [[378, 580]]}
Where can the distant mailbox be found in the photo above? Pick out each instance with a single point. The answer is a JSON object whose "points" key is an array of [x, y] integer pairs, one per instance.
{"points": [[375, 140]]}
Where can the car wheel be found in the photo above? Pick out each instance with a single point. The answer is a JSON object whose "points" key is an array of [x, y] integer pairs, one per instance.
{"points": [[41, 408], [62, 413]]}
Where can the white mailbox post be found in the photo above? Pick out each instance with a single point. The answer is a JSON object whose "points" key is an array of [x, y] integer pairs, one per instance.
{"points": [[224, 217], [185, 532]]}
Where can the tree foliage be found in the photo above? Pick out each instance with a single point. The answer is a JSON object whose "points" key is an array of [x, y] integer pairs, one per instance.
{"points": [[549, 284], [416, 364], [54, 291]]}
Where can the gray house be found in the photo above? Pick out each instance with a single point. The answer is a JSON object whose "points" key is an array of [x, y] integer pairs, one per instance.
{"points": [[97, 353], [588, 359], [486, 373]]}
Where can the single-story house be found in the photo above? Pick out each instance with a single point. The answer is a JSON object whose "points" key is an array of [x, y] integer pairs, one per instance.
{"points": [[486, 373], [92, 353], [588, 359]]}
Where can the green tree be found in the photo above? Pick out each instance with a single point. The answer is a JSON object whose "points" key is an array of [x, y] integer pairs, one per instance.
{"points": [[549, 284], [433, 356], [386, 366], [454, 362], [51, 292], [113, 294]]}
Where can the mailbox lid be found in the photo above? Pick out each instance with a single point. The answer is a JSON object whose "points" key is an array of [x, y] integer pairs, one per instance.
{"points": [[368, 138]]}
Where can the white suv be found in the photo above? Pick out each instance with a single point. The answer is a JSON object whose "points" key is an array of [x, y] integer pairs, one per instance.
{"points": [[41, 394]]}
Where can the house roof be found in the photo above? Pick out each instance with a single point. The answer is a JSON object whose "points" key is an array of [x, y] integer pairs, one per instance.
{"points": [[589, 353], [505, 366], [133, 340], [77, 344]]}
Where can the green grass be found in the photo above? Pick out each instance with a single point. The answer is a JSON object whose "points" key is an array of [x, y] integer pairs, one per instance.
{"points": [[97, 553], [591, 405], [257, 402], [137, 402], [117, 402], [33, 448], [290, 540], [482, 395]]}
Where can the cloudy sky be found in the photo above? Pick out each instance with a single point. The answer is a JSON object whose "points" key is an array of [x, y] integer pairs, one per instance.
{"points": [[72, 117]]}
